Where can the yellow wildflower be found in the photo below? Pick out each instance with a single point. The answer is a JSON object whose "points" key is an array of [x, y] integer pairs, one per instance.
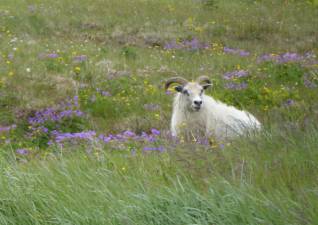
{"points": [[77, 69]]}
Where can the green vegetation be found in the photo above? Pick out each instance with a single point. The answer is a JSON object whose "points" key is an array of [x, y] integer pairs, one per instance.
{"points": [[84, 118]]}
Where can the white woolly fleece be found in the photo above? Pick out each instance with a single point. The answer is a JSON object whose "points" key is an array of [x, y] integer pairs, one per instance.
{"points": [[213, 119]]}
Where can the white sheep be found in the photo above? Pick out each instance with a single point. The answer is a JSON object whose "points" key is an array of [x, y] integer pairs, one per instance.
{"points": [[195, 113]]}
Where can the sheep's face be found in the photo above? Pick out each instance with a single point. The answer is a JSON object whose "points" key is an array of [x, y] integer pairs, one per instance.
{"points": [[192, 92]]}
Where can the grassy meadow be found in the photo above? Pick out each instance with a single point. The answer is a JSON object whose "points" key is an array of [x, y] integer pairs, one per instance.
{"points": [[84, 117]]}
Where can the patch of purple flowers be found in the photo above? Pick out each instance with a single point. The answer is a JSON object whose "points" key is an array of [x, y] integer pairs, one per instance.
{"points": [[172, 45], [79, 58], [66, 110], [236, 86], [155, 132], [236, 51], [268, 57], [52, 55], [168, 92], [53, 118], [22, 151], [48, 55], [288, 57], [103, 93], [7, 128], [308, 82], [51, 114], [235, 74], [160, 149], [10, 56], [203, 141], [289, 102], [129, 135], [91, 135], [84, 135]]}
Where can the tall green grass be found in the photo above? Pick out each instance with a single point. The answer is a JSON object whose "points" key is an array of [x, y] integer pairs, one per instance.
{"points": [[268, 180]]}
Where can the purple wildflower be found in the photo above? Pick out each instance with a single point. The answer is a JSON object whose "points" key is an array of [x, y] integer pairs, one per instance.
{"points": [[235, 51], [22, 151], [244, 53], [48, 56], [203, 141], [78, 113], [172, 45], [10, 56], [310, 58], [150, 138], [229, 50], [76, 100], [310, 55], [104, 138], [268, 57], [129, 134], [289, 57], [160, 149], [195, 44], [235, 74], [282, 58], [105, 93], [192, 44], [236, 86], [168, 92], [49, 114], [144, 135], [289, 102], [66, 113], [7, 128], [54, 132], [80, 58], [45, 130], [155, 132], [121, 137], [52, 55], [308, 83], [84, 135]]}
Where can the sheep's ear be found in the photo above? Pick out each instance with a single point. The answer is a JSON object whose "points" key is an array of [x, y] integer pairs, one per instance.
{"points": [[205, 86], [178, 88]]}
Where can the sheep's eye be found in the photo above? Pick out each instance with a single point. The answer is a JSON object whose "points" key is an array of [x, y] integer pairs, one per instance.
{"points": [[185, 92], [201, 92]]}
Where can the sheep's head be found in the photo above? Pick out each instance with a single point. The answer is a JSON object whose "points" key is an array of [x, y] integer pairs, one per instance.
{"points": [[191, 91]]}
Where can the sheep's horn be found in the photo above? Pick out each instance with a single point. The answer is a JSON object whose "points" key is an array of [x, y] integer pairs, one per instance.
{"points": [[205, 79], [178, 80]]}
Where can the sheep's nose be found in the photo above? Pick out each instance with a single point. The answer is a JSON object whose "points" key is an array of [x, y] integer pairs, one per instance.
{"points": [[198, 102]]}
